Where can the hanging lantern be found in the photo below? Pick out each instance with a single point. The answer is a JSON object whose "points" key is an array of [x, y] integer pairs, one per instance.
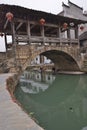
{"points": [[9, 16], [82, 28], [42, 21], [65, 25], [72, 24]]}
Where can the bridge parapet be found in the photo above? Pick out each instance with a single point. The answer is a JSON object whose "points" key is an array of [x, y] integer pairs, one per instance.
{"points": [[29, 50], [26, 53]]}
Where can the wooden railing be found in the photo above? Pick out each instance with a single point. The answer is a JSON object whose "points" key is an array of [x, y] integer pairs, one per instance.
{"points": [[40, 39]]}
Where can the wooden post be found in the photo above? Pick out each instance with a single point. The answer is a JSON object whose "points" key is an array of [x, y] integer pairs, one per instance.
{"points": [[42, 33], [68, 33], [6, 41], [69, 36], [60, 34], [76, 32], [28, 31], [14, 43], [13, 32], [41, 59], [77, 35]]}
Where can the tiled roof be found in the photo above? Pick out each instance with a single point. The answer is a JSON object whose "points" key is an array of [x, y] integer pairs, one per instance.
{"points": [[34, 15]]}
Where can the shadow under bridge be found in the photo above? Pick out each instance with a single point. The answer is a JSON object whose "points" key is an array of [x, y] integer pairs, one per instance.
{"points": [[62, 60]]}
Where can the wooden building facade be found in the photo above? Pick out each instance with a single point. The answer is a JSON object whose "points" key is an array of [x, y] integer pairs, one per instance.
{"points": [[36, 27]]}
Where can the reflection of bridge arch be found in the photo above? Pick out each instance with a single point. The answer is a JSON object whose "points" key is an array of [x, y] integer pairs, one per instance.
{"points": [[64, 58]]}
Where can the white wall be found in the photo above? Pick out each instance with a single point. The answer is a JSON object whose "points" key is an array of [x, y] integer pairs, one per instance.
{"points": [[2, 44]]}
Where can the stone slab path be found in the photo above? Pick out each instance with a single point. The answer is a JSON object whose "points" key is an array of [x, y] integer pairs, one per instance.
{"points": [[12, 117]]}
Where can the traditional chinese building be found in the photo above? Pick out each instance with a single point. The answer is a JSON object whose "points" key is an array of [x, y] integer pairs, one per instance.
{"points": [[74, 11], [36, 33]]}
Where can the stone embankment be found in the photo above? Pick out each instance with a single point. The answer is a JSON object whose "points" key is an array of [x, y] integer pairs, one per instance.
{"points": [[12, 116]]}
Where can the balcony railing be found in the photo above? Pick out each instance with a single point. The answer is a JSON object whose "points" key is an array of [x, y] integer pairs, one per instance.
{"points": [[40, 39]]}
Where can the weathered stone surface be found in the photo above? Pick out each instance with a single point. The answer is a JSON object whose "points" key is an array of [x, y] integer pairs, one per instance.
{"points": [[12, 117], [64, 57]]}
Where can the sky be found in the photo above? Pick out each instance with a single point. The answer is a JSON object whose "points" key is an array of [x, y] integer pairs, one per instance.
{"points": [[50, 6]]}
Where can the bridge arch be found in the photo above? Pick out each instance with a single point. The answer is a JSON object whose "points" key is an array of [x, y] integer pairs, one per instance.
{"points": [[63, 59]]}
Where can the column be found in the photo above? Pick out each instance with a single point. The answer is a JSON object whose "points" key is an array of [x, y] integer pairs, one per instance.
{"points": [[42, 33], [14, 43], [58, 32], [77, 35], [76, 32], [28, 31], [13, 32], [60, 35], [5, 41], [41, 59], [69, 35]]}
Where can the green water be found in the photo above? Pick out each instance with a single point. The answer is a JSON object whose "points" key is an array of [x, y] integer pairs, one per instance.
{"points": [[56, 102]]}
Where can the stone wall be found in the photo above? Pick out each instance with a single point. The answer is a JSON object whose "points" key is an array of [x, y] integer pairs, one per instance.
{"points": [[11, 84]]}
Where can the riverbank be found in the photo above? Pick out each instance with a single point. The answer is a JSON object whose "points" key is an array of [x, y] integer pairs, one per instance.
{"points": [[12, 117]]}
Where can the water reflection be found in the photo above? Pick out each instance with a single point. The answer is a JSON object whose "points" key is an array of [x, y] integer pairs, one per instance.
{"points": [[84, 128], [34, 82], [58, 102]]}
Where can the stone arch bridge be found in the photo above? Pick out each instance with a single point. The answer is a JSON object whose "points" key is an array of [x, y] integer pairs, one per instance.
{"points": [[41, 33], [65, 58]]}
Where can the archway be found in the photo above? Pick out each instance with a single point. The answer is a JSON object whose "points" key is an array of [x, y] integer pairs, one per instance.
{"points": [[65, 59], [62, 60]]}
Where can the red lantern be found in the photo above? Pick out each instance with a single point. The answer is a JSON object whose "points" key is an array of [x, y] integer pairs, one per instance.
{"points": [[9, 16], [81, 28], [65, 25], [42, 21]]}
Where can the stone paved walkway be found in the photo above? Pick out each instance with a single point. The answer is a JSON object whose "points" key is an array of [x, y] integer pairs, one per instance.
{"points": [[12, 117]]}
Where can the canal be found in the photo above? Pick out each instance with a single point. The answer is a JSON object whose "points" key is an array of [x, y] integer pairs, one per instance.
{"points": [[55, 102]]}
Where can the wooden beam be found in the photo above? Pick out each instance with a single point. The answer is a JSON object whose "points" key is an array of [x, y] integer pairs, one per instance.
{"points": [[28, 31], [36, 23], [33, 26], [51, 25], [6, 24], [19, 25]]}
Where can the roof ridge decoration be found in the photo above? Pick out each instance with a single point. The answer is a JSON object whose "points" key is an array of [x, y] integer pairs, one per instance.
{"points": [[63, 4], [69, 2]]}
